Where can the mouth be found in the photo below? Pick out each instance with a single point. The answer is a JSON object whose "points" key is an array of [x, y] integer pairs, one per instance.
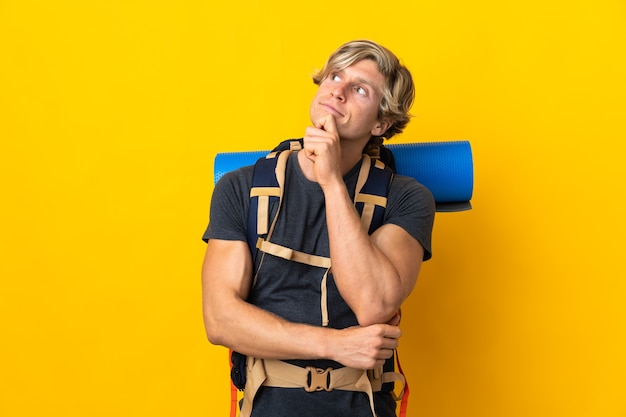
{"points": [[331, 109]]}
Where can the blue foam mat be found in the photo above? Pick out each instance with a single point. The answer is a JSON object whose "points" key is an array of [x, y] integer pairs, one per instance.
{"points": [[445, 168]]}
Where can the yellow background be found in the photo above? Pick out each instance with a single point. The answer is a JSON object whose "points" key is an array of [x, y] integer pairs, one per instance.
{"points": [[111, 113]]}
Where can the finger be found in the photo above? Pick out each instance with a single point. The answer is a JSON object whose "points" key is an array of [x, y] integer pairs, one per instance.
{"points": [[385, 354], [390, 344], [391, 332], [319, 123], [313, 132], [327, 123]]}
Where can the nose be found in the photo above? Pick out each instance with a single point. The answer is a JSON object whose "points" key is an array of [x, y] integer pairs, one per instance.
{"points": [[338, 91]]}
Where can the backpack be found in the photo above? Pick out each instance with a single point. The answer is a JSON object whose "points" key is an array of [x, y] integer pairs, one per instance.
{"points": [[266, 192]]}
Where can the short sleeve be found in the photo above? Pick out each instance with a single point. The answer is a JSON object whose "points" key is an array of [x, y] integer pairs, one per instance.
{"points": [[229, 206], [412, 206]]}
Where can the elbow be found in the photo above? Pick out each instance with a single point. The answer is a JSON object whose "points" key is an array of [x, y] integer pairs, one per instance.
{"points": [[215, 332], [371, 314], [221, 319], [379, 309], [371, 320], [366, 321], [214, 337]]}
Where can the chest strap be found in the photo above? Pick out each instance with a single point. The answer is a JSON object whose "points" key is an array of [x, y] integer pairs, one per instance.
{"points": [[276, 373], [289, 254]]}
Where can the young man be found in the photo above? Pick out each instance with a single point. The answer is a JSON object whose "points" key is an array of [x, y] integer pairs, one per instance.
{"points": [[303, 319]]}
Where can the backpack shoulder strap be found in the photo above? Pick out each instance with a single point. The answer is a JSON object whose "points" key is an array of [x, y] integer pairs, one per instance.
{"points": [[372, 189], [268, 179], [370, 197], [289, 145]]}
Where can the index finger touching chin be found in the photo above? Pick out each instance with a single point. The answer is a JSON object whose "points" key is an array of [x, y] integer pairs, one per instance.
{"points": [[327, 123]]}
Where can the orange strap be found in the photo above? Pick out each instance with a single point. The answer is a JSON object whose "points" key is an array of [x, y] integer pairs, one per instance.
{"points": [[233, 389], [405, 396]]}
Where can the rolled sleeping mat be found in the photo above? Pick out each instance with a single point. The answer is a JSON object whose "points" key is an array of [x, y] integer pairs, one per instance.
{"points": [[445, 168]]}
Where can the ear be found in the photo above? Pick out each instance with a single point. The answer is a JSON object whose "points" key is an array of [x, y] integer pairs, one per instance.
{"points": [[380, 127]]}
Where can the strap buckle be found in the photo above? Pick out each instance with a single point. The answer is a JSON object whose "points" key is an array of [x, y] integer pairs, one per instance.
{"points": [[317, 379]]}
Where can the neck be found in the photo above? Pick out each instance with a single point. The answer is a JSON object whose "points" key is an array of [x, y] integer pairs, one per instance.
{"points": [[351, 153]]}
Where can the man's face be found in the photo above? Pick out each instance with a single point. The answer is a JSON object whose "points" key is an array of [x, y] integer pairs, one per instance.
{"points": [[352, 96]]}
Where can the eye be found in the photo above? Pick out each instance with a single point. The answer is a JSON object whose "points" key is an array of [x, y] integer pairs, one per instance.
{"points": [[360, 91], [335, 77]]}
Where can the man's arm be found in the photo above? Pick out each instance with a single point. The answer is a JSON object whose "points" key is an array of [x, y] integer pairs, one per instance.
{"points": [[232, 322], [376, 273]]}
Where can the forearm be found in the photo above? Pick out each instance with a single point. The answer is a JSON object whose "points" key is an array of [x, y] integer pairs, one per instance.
{"points": [[252, 331], [233, 322], [264, 335]]}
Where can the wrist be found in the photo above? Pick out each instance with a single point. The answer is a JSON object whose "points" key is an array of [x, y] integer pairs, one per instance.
{"points": [[334, 189], [325, 343]]}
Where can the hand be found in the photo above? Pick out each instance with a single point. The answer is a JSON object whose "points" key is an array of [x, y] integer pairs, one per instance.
{"points": [[366, 347], [321, 146]]}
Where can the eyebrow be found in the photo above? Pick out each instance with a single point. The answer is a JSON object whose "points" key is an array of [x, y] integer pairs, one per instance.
{"points": [[358, 79], [368, 82]]}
